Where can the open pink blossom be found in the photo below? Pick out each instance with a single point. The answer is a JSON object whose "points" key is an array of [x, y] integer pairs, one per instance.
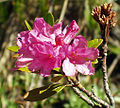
{"points": [[47, 47], [37, 55], [79, 57]]}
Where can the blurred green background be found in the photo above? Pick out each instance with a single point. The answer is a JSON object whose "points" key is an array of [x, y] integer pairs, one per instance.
{"points": [[13, 85]]}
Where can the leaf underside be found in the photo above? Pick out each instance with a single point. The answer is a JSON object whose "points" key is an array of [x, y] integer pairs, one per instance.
{"points": [[44, 92]]}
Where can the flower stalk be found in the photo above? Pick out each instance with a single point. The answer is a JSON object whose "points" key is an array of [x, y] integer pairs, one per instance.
{"points": [[106, 19]]}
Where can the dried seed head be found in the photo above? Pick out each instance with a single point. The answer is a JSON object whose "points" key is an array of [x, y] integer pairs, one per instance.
{"points": [[104, 15]]}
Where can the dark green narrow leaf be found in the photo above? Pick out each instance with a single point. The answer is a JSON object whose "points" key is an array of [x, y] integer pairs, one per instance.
{"points": [[41, 93], [57, 78], [13, 48], [49, 19], [28, 26], [94, 43]]}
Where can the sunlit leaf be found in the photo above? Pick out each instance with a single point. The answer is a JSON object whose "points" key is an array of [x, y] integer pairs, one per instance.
{"points": [[94, 43], [57, 78], [41, 93], [49, 18], [13, 48], [16, 55], [56, 69], [95, 61], [24, 69], [28, 26]]}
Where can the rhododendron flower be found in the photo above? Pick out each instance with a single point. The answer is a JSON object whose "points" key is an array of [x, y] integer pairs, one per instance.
{"points": [[37, 55], [79, 57], [45, 48]]}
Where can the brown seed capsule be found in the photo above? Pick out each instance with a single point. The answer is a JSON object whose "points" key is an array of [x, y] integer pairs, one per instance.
{"points": [[104, 15]]}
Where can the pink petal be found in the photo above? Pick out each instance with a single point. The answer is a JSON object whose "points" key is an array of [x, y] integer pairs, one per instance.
{"points": [[72, 30], [22, 38], [79, 42], [80, 56], [85, 68], [41, 26], [68, 68], [45, 64], [21, 62], [45, 32], [92, 54], [59, 39]]}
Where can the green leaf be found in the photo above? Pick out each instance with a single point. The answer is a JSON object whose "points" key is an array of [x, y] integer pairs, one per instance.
{"points": [[24, 69], [49, 19], [13, 48], [28, 26], [41, 93], [16, 55], [94, 43], [95, 61], [114, 49], [56, 69], [57, 78]]}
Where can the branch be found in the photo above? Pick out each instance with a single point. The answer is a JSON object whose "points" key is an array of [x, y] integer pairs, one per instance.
{"points": [[76, 90], [106, 19], [104, 69], [89, 94]]}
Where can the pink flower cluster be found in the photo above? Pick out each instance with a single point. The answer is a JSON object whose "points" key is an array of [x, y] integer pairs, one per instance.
{"points": [[46, 47]]}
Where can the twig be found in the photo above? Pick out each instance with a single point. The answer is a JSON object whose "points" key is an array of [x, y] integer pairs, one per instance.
{"points": [[88, 101], [76, 90], [63, 10], [89, 94], [105, 76]]}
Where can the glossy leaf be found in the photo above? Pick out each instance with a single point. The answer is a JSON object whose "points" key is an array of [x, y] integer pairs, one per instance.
{"points": [[44, 92], [49, 19], [95, 61], [56, 69], [28, 26], [94, 43], [16, 55], [57, 78], [13, 48], [24, 69]]}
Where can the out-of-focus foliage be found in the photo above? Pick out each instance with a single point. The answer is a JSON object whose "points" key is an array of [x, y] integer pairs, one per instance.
{"points": [[13, 85]]}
